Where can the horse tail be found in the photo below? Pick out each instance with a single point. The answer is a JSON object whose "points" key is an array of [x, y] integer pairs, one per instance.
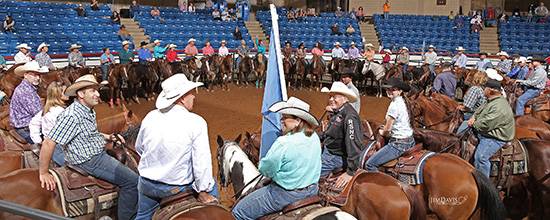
{"points": [[418, 206], [489, 203]]}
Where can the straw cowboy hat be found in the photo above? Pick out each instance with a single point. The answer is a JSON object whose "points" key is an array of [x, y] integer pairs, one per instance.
{"points": [[341, 88], [296, 107], [503, 53], [387, 51], [172, 46], [24, 45], [521, 60], [460, 48], [173, 88], [337, 43], [397, 83], [493, 74], [405, 48], [431, 46], [191, 40], [369, 45], [31, 66], [75, 46], [125, 42], [42, 45], [81, 83], [157, 41]]}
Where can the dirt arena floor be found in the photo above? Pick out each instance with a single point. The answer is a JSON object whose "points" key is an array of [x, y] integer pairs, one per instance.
{"points": [[230, 113]]}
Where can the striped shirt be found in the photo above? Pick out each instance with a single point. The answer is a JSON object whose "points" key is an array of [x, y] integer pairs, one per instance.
{"points": [[76, 129]]}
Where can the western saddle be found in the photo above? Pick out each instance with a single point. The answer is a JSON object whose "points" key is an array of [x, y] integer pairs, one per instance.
{"points": [[510, 160]]}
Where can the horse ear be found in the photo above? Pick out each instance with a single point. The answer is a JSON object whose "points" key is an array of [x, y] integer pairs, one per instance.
{"points": [[247, 135], [219, 140], [130, 114], [238, 139]]}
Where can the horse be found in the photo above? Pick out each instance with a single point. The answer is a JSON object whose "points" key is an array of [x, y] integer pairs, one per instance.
{"points": [[244, 69], [163, 71], [210, 70], [334, 68], [316, 71], [447, 177], [539, 107], [235, 167], [541, 128], [10, 80], [261, 67], [118, 82], [300, 71], [142, 78], [226, 71], [70, 74], [119, 122], [375, 72], [288, 68], [190, 67]]}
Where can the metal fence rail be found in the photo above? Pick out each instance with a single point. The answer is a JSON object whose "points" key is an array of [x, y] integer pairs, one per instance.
{"points": [[24, 211]]}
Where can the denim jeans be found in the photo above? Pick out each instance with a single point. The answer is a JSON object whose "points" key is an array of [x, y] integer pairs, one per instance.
{"points": [[151, 192], [386, 15], [523, 99], [484, 150], [58, 156], [25, 134], [269, 199], [330, 162], [392, 150], [104, 71], [111, 170], [405, 68], [432, 70], [464, 124]]}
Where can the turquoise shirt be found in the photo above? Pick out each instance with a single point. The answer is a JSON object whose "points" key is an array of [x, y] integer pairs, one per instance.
{"points": [[158, 52], [2, 60], [293, 161], [261, 47]]}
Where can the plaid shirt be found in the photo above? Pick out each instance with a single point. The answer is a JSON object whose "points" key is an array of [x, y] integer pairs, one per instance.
{"points": [[504, 66], [474, 98], [76, 129]]}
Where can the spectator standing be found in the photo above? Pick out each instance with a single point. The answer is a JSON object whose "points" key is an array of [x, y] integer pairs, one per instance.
{"points": [[125, 56], [387, 9], [237, 34], [360, 14], [350, 30], [155, 13], [24, 54], [94, 5], [134, 9], [226, 16], [106, 60], [451, 16], [9, 24], [353, 52], [476, 24], [115, 17], [123, 34], [209, 4], [80, 11], [338, 12], [223, 51], [335, 30], [541, 12], [191, 8], [43, 58], [290, 15]]}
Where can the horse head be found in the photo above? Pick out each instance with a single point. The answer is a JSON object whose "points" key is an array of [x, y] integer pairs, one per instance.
{"points": [[226, 148], [251, 146]]}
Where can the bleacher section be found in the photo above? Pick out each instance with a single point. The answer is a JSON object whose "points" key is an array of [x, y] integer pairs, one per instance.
{"points": [[311, 29], [519, 36], [413, 31], [179, 27], [58, 25]]}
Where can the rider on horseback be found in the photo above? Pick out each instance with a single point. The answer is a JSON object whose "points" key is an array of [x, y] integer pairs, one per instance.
{"points": [[445, 82], [171, 54], [505, 64], [430, 59], [342, 139], [84, 146], [144, 54], [158, 51], [174, 149], [190, 50], [520, 70], [398, 126], [243, 52], [347, 78], [494, 124], [287, 51], [24, 54], [43, 58], [207, 50], [292, 163], [76, 59], [318, 51], [106, 60], [223, 51], [460, 59], [534, 84], [473, 99], [403, 59], [125, 55], [260, 47], [353, 52], [483, 62], [369, 52]]}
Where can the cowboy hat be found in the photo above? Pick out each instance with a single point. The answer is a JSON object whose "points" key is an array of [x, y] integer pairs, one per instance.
{"points": [[431, 46], [369, 45], [80, 83], [173, 88], [172, 46], [397, 83], [493, 84], [405, 48], [529, 59], [31, 66], [143, 43], [223, 42], [341, 88], [493, 74], [538, 59], [521, 60], [42, 45], [503, 53], [352, 43], [191, 40], [75, 46], [460, 48], [24, 45], [125, 42], [296, 107], [482, 53], [157, 41], [387, 51], [337, 43]]}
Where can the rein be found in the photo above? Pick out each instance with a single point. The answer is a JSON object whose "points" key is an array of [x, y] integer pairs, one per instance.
{"points": [[421, 122]]}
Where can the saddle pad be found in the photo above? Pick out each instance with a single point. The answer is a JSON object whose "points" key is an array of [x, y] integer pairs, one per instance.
{"points": [[408, 169], [80, 201]]}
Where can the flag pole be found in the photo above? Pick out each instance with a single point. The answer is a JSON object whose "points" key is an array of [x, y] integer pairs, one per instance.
{"points": [[275, 30]]}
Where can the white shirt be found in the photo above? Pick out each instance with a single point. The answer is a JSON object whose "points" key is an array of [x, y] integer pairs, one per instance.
{"points": [[338, 52], [223, 51], [430, 57], [41, 125], [401, 127], [20, 57], [174, 149], [357, 104]]}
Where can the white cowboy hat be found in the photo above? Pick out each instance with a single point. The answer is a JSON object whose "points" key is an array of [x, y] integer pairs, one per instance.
{"points": [[341, 88], [223, 41], [352, 43], [80, 83], [503, 53], [405, 48], [172, 46], [431, 46], [521, 60], [24, 45], [529, 59], [460, 48], [337, 43], [369, 45], [157, 41], [493, 74], [191, 40], [387, 51], [125, 42], [2, 95], [75, 46], [173, 88], [42, 45], [296, 107], [31, 66]]}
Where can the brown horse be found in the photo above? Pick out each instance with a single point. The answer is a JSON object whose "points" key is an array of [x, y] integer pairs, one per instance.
{"points": [[288, 69], [119, 122], [317, 71], [300, 71], [244, 70], [190, 68], [209, 70], [118, 83], [430, 114], [10, 80], [334, 68], [260, 63], [539, 107], [226, 71]]}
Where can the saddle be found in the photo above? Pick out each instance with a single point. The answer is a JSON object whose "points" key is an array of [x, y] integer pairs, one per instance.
{"points": [[182, 202], [408, 167], [333, 195], [82, 194], [510, 160], [19, 141], [296, 210]]}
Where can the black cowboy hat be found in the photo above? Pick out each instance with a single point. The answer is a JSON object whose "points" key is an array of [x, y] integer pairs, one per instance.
{"points": [[288, 42], [143, 43], [538, 59], [493, 84], [301, 44], [397, 83]]}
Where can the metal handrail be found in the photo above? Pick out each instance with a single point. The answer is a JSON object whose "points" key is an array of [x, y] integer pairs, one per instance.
{"points": [[24, 211]]}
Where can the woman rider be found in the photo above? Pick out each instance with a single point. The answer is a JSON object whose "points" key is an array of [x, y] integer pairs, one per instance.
{"points": [[473, 99]]}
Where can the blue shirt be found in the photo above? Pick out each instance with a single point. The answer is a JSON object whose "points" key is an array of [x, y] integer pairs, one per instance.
{"points": [[460, 61], [484, 64], [107, 59], [518, 72], [293, 161], [445, 83], [144, 54], [158, 52]]}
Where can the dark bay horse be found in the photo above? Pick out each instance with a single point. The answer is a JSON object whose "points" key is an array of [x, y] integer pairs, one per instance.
{"points": [[288, 68], [118, 83], [300, 71], [10, 80], [334, 68], [316, 72], [226, 71], [142, 79], [260, 64], [539, 107], [244, 70], [210, 70]]}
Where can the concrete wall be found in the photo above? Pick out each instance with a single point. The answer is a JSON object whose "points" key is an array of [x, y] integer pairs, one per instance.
{"points": [[427, 7]]}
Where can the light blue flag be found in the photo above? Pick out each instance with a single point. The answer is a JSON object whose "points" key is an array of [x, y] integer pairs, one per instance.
{"points": [[274, 91]]}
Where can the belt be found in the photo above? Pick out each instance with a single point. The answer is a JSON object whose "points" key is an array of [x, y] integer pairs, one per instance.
{"points": [[298, 189], [403, 139]]}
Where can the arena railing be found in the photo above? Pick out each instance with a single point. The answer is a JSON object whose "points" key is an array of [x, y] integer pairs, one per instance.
{"points": [[28, 212]]}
